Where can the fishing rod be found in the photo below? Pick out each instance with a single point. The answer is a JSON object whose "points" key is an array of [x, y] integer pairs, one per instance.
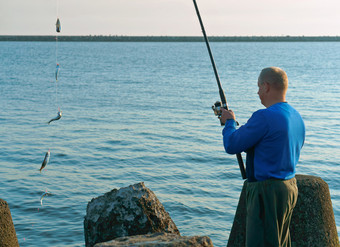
{"points": [[217, 106]]}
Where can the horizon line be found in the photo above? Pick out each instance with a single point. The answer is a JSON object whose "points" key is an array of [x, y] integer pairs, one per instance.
{"points": [[150, 38]]}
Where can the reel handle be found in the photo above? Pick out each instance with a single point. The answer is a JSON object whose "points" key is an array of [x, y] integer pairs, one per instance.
{"points": [[217, 108]]}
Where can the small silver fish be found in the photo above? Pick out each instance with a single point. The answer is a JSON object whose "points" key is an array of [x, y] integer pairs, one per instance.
{"points": [[57, 72], [46, 160], [58, 26], [43, 195], [56, 118]]}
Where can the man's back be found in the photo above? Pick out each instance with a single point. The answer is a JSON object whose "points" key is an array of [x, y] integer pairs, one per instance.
{"points": [[278, 150]]}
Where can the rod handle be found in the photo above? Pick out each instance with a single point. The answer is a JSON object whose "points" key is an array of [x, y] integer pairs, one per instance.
{"points": [[241, 165]]}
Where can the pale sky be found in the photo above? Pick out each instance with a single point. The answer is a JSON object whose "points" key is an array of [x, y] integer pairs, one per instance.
{"points": [[171, 17]]}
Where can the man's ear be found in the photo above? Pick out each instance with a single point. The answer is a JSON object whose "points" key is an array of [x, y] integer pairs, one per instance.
{"points": [[266, 87]]}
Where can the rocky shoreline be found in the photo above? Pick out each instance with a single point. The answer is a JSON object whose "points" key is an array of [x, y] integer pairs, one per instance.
{"points": [[129, 211], [133, 216]]}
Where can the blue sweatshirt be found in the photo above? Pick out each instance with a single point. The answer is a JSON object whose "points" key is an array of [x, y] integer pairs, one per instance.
{"points": [[272, 138]]}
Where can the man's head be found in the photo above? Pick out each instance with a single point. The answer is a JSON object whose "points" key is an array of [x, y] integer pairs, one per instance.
{"points": [[273, 85]]}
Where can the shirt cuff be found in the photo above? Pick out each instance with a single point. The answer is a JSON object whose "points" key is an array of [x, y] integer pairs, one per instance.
{"points": [[230, 124]]}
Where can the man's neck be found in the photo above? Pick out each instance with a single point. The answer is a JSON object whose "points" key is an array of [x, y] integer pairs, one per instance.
{"points": [[275, 100]]}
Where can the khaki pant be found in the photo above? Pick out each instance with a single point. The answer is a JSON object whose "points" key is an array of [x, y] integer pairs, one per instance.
{"points": [[270, 206]]}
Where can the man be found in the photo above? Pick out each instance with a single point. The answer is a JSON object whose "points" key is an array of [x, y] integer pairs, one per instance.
{"points": [[272, 139]]}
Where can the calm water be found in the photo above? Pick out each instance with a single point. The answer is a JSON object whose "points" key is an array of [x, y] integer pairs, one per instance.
{"points": [[137, 112]]}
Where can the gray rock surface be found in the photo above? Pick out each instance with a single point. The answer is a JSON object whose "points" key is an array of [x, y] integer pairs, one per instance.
{"points": [[8, 237], [133, 210], [313, 222], [159, 240]]}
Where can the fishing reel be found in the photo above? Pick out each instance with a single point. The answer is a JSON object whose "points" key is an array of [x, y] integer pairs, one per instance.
{"points": [[217, 108]]}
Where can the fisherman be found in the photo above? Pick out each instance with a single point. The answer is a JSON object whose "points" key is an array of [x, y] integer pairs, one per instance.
{"points": [[272, 139]]}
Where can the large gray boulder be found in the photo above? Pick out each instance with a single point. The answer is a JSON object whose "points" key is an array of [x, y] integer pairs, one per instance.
{"points": [[159, 240], [8, 237], [133, 210], [312, 224]]}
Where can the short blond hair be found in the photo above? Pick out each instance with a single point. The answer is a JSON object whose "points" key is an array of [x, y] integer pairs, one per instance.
{"points": [[274, 76]]}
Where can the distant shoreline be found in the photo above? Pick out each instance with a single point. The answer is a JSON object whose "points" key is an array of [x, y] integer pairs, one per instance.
{"points": [[113, 38]]}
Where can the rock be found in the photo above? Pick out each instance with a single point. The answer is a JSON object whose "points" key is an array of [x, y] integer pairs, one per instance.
{"points": [[313, 222], [134, 210], [237, 237], [159, 240], [8, 237]]}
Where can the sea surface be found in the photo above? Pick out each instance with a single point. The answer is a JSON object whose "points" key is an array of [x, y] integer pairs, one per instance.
{"points": [[136, 112]]}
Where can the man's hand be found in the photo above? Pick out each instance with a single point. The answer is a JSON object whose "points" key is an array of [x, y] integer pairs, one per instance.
{"points": [[226, 114]]}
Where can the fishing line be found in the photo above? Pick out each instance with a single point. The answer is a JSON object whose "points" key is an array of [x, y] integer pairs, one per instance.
{"points": [[56, 52], [57, 3], [53, 134]]}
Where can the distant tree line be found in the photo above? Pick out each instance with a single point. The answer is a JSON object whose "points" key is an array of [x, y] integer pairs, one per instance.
{"points": [[103, 38]]}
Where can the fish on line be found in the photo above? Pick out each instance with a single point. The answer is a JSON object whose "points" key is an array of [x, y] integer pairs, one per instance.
{"points": [[43, 195], [58, 26], [57, 117], [57, 72], [46, 160]]}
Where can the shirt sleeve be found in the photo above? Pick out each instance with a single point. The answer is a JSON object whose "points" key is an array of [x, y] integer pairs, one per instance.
{"points": [[240, 140]]}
